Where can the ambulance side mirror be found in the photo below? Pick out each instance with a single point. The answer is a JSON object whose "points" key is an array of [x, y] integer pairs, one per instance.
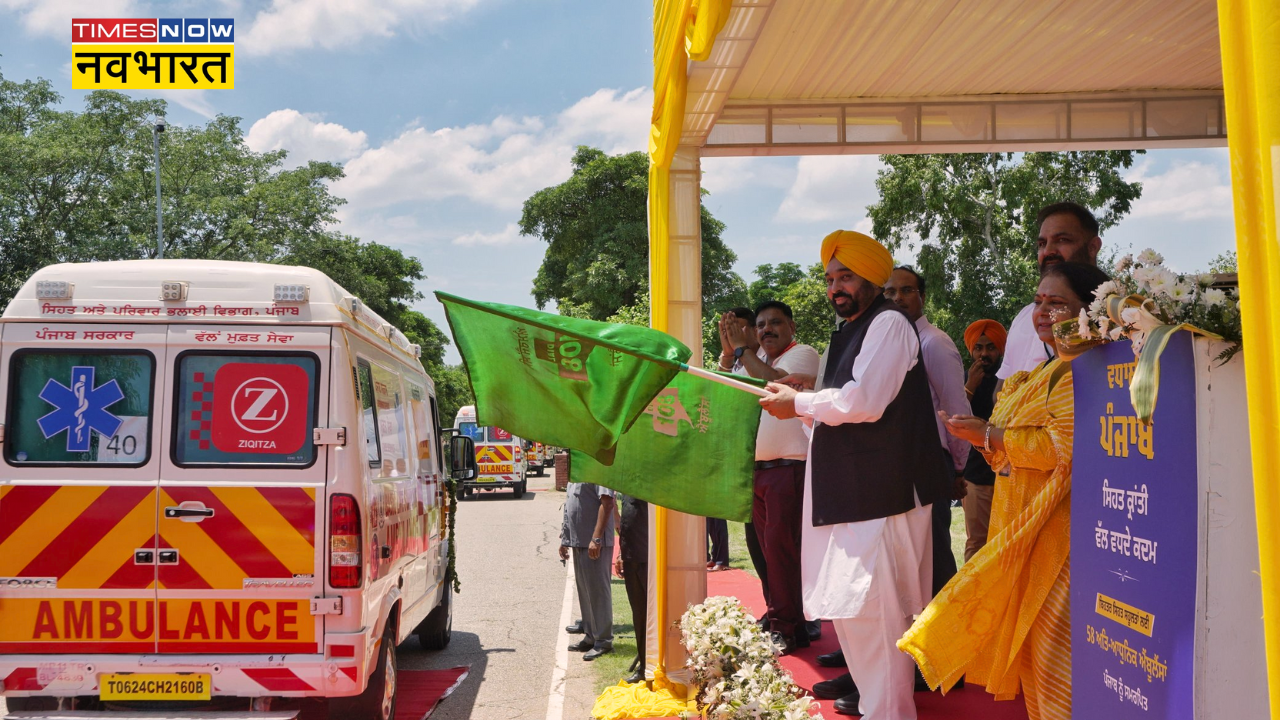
{"points": [[462, 458]]}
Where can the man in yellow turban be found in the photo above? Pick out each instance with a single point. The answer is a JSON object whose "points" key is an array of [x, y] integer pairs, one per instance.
{"points": [[875, 468]]}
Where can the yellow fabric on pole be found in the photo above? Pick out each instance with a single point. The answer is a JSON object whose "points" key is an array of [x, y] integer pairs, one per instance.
{"points": [[682, 30], [1250, 37]]}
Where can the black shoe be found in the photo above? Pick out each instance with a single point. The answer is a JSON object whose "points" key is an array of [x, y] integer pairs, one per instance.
{"points": [[594, 653], [814, 627], [582, 646], [835, 689], [848, 705], [763, 623], [832, 659], [575, 629], [636, 677]]}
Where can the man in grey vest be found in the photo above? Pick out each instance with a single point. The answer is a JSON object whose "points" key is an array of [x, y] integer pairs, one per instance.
{"points": [[874, 470]]}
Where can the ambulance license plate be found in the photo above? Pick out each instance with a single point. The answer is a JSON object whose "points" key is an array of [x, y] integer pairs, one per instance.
{"points": [[144, 686]]}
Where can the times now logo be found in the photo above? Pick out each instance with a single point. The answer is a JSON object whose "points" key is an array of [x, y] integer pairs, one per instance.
{"points": [[153, 30]]}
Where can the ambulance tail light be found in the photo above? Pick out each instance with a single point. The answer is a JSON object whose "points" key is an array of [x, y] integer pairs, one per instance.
{"points": [[345, 562]]}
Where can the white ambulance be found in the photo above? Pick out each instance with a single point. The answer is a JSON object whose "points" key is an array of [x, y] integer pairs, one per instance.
{"points": [[222, 487], [500, 457]]}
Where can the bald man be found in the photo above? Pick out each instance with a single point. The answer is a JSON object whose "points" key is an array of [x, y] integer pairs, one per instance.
{"points": [[875, 468]]}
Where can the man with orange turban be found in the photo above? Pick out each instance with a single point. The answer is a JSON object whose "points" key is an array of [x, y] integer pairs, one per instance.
{"points": [[875, 469], [985, 340]]}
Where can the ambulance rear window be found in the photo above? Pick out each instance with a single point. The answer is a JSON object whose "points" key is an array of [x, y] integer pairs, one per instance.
{"points": [[68, 408], [472, 430], [245, 409]]}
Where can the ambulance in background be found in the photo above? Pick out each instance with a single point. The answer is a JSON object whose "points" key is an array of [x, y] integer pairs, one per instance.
{"points": [[500, 457], [223, 484], [538, 457]]}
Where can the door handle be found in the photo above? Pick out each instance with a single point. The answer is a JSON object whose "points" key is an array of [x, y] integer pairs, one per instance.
{"points": [[198, 513]]}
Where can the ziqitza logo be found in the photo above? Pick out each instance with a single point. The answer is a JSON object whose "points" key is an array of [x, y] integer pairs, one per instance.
{"points": [[153, 54]]}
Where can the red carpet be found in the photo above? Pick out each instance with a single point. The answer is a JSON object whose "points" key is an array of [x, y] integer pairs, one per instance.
{"points": [[421, 690], [969, 703]]}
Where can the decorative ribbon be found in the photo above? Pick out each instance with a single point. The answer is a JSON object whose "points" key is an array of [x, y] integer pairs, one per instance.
{"points": [[1145, 385]]}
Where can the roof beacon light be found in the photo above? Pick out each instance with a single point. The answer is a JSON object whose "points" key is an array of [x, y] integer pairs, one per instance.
{"points": [[173, 290], [54, 289], [292, 293]]}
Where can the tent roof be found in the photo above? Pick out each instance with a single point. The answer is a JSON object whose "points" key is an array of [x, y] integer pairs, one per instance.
{"points": [[955, 75]]}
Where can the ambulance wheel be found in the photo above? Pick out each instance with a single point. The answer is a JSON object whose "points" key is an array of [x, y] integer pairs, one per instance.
{"points": [[436, 630], [517, 490], [378, 701]]}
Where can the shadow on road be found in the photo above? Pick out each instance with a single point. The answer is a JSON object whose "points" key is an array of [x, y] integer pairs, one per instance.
{"points": [[464, 649]]}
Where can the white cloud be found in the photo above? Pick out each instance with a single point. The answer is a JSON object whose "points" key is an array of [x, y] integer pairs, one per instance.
{"points": [[509, 235], [53, 17], [299, 24], [832, 189], [1186, 191], [498, 164], [305, 137]]}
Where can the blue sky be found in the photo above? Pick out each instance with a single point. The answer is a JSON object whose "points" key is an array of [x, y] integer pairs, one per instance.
{"points": [[447, 114]]}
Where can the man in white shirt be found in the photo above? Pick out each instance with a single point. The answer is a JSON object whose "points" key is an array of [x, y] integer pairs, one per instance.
{"points": [[946, 387], [1068, 232], [874, 469], [781, 449]]}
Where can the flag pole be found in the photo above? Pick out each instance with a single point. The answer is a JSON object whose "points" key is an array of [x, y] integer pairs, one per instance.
{"points": [[716, 377]]}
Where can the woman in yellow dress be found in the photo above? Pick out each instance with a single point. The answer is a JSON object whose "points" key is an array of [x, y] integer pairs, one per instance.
{"points": [[1004, 620]]}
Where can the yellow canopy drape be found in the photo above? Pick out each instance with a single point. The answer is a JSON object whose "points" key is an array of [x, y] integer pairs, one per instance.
{"points": [[683, 30], [1250, 36]]}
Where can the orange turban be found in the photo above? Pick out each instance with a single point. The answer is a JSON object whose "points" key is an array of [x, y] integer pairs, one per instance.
{"points": [[860, 253], [992, 329]]}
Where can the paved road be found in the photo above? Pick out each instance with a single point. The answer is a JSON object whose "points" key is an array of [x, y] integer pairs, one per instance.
{"points": [[506, 621]]}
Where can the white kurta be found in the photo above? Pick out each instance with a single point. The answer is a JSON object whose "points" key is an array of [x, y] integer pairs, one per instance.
{"points": [[845, 567]]}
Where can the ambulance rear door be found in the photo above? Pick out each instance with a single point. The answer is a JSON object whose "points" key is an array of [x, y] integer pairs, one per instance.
{"points": [[82, 453], [242, 490]]}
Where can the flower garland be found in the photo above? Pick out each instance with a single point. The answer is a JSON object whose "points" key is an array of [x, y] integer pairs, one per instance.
{"points": [[1144, 294], [735, 665]]}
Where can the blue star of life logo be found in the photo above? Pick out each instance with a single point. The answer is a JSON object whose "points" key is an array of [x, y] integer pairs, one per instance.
{"points": [[80, 408]]}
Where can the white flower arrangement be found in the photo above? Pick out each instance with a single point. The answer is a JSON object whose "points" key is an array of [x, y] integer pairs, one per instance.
{"points": [[735, 665], [1168, 299]]}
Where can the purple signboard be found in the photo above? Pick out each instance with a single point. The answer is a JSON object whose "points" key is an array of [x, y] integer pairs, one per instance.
{"points": [[1133, 539]]}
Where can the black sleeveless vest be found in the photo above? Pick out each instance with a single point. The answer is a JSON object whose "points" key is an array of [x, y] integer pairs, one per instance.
{"points": [[868, 470]]}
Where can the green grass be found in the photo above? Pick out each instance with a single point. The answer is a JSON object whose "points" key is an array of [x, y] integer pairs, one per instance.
{"points": [[616, 665]]}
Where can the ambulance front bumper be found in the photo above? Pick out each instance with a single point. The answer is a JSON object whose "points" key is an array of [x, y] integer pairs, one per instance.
{"points": [[312, 675]]}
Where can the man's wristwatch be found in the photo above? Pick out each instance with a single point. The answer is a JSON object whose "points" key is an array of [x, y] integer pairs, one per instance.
{"points": [[737, 352], [597, 541]]}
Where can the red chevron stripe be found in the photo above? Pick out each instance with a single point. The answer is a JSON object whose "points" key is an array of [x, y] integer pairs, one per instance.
{"points": [[86, 531], [18, 505], [181, 576], [22, 679], [226, 530], [130, 576], [277, 679], [297, 507]]}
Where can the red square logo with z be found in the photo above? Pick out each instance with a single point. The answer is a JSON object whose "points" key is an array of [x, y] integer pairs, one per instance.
{"points": [[260, 408]]}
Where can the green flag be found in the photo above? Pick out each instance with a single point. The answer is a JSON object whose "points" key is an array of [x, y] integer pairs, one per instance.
{"points": [[560, 380], [693, 451]]}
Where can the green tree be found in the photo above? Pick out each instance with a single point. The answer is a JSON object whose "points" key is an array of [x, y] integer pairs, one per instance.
{"points": [[79, 187], [1224, 263], [971, 220], [595, 225]]}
